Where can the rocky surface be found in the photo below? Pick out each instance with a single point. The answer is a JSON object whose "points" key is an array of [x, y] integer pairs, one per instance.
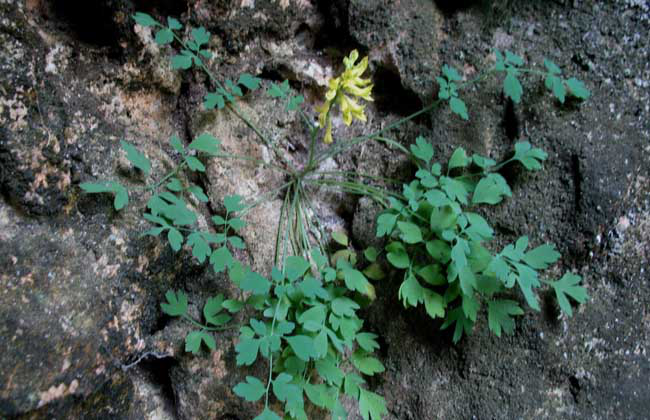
{"points": [[82, 334]]}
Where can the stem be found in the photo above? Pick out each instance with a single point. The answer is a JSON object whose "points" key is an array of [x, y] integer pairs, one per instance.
{"points": [[362, 175]]}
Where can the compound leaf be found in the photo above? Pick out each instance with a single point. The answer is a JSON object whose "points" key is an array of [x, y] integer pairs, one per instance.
{"points": [[411, 293], [249, 81], [267, 414], [194, 339], [233, 203], [500, 314], [175, 238], [200, 35], [367, 365], [578, 89], [459, 108], [302, 346], [255, 283], [542, 256], [206, 143], [251, 390], [568, 286], [176, 303], [164, 36], [247, 350], [530, 157], [173, 24], [144, 19], [411, 233], [181, 61], [371, 406], [512, 88], [137, 158], [422, 149]]}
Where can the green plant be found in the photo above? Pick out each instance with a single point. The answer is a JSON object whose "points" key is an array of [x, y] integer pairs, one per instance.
{"points": [[439, 242], [305, 322]]}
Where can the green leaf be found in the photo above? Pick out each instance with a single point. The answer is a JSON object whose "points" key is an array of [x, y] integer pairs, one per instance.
{"points": [[439, 250], [236, 223], [249, 81], [255, 283], [211, 311], [214, 99], [451, 74], [500, 315], [530, 157], [200, 35], [355, 280], [552, 67], [454, 189], [556, 85], [200, 247], [233, 306], [144, 19], [236, 242], [411, 293], [431, 274], [422, 149], [313, 319], [462, 323], [343, 306], [138, 159], [181, 62], [302, 346], [247, 350], [175, 238], [411, 233], [367, 365], [371, 406], [164, 36], [542, 256], [100, 187], [479, 227], [267, 414], [175, 185], [374, 272], [467, 279], [487, 191], [295, 267], [279, 91], [397, 255], [194, 164], [330, 372], [198, 193], [295, 102], [176, 303], [511, 87], [577, 89], [233, 203], [206, 143], [568, 286], [527, 279], [513, 59], [367, 341], [458, 159], [371, 253], [386, 224], [176, 143], [194, 339], [434, 304], [459, 108], [173, 24], [251, 390], [221, 258], [340, 238]]}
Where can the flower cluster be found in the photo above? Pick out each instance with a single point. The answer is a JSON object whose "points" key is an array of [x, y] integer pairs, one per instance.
{"points": [[349, 83]]}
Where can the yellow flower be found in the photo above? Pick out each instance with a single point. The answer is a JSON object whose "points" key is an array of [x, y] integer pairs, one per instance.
{"points": [[349, 83]]}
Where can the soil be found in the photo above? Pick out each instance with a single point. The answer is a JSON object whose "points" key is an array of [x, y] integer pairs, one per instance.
{"points": [[81, 289]]}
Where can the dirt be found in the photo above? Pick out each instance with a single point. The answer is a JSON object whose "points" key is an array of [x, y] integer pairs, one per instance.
{"points": [[82, 332]]}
